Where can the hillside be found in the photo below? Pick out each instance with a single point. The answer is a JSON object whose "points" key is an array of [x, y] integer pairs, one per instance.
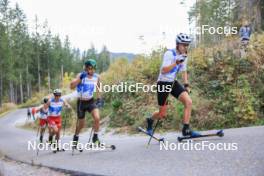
{"points": [[227, 90], [129, 56]]}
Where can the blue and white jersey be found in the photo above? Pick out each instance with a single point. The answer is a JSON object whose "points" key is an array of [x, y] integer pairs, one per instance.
{"points": [[169, 58], [87, 87], [43, 113], [55, 108], [245, 32]]}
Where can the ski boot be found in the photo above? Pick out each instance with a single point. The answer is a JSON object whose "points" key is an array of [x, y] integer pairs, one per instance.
{"points": [[186, 131], [95, 141], [149, 126]]}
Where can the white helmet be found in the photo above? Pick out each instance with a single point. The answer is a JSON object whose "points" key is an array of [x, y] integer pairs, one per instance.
{"points": [[57, 92], [183, 38]]}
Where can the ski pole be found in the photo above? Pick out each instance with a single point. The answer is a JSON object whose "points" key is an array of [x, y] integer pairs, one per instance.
{"points": [[153, 131], [45, 128], [37, 139], [38, 131], [64, 125], [90, 135]]}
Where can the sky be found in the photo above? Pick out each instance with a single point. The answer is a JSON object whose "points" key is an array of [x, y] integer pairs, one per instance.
{"points": [[122, 25]]}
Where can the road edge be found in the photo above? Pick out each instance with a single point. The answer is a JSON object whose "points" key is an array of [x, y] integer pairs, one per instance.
{"points": [[65, 171]]}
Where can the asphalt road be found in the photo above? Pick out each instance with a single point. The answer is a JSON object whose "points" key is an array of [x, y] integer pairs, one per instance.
{"points": [[132, 157]]}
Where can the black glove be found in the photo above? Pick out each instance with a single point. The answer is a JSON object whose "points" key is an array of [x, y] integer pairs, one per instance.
{"points": [[99, 102]]}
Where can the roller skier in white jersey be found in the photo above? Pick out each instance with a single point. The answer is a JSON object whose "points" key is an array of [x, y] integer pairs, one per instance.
{"points": [[174, 61]]}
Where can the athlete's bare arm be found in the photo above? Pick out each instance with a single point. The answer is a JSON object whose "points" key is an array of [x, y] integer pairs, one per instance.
{"points": [[75, 82]]}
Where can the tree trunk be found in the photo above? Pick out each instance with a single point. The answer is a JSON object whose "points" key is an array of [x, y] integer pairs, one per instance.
{"points": [[49, 80], [11, 92], [61, 75], [30, 89], [21, 89], [39, 81], [28, 84], [1, 89], [258, 16], [16, 95]]}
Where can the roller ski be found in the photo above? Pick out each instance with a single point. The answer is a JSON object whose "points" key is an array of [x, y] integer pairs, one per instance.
{"points": [[150, 131], [96, 144], [75, 148], [112, 147], [56, 148], [140, 129], [194, 135], [75, 144], [102, 146]]}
